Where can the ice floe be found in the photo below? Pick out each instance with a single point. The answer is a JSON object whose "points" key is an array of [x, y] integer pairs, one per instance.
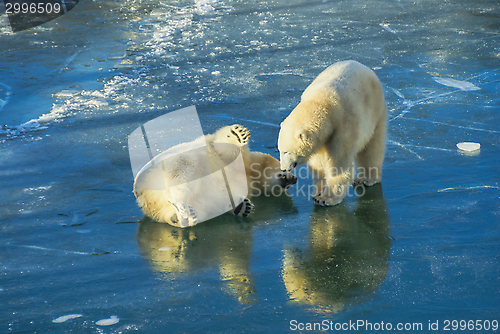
{"points": [[108, 321], [65, 318]]}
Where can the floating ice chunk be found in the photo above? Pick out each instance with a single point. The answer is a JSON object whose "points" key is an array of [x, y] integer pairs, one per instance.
{"points": [[65, 94], [65, 318], [468, 146], [108, 322], [462, 85]]}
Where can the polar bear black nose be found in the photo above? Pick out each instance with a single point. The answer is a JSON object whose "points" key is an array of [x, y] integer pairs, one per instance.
{"points": [[294, 165]]}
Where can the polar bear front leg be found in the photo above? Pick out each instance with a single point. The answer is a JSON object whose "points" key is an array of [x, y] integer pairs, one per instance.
{"points": [[337, 183], [333, 192], [319, 183]]}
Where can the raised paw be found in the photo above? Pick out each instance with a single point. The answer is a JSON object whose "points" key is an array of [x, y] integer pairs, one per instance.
{"points": [[327, 201], [244, 208], [241, 133]]}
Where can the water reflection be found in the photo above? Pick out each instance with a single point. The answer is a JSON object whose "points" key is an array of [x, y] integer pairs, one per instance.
{"points": [[223, 243], [346, 258]]}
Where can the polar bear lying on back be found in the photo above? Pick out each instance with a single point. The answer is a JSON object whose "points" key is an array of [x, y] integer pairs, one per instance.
{"points": [[341, 118], [155, 186]]}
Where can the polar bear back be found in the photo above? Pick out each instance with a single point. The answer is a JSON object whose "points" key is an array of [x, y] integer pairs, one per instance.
{"points": [[347, 81], [354, 88]]}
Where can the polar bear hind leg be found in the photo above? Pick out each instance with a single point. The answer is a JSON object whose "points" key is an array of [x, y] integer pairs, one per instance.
{"points": [[369, 160], [245, 208], [186, 215]]}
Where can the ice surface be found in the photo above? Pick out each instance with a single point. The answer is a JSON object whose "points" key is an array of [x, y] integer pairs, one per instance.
{"points": [[421, 247]]}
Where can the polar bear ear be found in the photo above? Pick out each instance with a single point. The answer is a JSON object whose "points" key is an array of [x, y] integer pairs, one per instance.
{"points": [[301, 135]]}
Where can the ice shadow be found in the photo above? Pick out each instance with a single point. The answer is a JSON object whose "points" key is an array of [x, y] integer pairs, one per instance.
{"points": [[346, 258]]}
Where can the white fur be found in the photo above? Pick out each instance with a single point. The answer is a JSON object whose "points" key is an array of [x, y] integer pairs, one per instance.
{"points": [[182, 202], [341, 118]]}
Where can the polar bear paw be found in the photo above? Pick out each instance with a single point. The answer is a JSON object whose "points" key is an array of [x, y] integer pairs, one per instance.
{"points": [[186, 215], [245, 208], [241, 133], [365, 182]]}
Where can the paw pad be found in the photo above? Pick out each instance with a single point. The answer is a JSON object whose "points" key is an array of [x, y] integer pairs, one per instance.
{"points": [[186, 215], [241, 133], [244, 208]]}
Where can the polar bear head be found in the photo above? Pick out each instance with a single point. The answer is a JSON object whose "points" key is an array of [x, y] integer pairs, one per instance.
{"points": [[294, 143], [302, 133]]}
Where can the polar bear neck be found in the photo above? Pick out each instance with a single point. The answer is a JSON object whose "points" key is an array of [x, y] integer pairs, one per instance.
{"points": [[316, 120]]}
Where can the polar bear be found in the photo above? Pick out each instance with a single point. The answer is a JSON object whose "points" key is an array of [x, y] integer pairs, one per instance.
{"points": [[341, 118], [192, 162]]}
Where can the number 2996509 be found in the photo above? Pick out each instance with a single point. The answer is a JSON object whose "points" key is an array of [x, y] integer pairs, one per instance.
{"points": [[472, 325], [32, 8]]}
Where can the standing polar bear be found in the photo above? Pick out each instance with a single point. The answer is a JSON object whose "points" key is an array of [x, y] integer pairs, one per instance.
{"points": [[341, 117], [176, 186]]}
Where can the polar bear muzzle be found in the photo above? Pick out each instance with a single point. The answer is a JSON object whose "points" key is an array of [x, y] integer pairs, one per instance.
{"points": [[286, 179], [289, 161]]}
